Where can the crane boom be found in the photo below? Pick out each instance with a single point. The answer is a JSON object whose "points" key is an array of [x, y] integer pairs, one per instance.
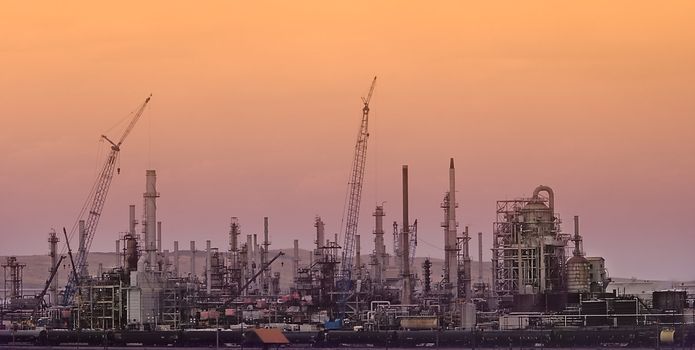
{"points": [[355, 188], [95, 203]]}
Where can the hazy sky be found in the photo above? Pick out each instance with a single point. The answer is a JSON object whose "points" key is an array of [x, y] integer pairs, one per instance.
{"points": [[256, 106]]}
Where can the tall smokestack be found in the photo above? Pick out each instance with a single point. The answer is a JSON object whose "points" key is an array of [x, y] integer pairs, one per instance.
{"points": [[150, 196], [176, 259], [132, 221], [208, 266], [234, 234], [405, 240], [264, 254], [577, 238], [320, 234], [193, 272]]}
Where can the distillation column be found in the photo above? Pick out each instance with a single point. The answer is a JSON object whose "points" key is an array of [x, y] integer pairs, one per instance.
{"points": [[379, 246], [150, 228], [450, 249], [53, 253], [264, 258]]}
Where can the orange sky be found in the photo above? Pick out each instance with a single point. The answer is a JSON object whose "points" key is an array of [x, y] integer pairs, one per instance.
{"points": [[256, 105]]}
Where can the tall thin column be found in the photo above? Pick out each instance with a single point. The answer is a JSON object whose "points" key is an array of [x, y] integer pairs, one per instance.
{"points": [[405, 239], [150, 196]]}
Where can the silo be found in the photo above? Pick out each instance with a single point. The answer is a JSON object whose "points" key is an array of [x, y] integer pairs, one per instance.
{"points": [[578, 277]]}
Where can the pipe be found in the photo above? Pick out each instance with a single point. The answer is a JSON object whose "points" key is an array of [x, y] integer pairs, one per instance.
{"points": [[549, 191]]}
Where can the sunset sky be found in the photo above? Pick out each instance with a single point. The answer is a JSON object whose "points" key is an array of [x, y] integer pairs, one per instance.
{"points": [[256, 105]]}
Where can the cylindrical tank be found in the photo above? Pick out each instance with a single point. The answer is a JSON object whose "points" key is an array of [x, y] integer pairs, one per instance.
{"points": [[578, 275]]}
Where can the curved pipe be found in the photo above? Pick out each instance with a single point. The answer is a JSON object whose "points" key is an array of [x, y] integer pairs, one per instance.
{"points": [[551, 195]]}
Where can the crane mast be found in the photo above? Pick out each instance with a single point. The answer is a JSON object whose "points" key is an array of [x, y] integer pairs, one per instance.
{"points": [[355, 188], [95, 203]]}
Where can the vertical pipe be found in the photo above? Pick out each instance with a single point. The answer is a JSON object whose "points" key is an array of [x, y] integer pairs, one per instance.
{"points": [[264, 257], [176, 259], [405, 240], [208, 266], [193, 271]]}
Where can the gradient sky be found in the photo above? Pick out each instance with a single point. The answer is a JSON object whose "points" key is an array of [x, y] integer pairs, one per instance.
{"points": [[256, 106]]}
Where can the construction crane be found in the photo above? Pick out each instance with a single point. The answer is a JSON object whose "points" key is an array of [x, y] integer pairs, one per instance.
{"points": [[95, 204], [39, 297], [354, 197], [253, 278]]}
